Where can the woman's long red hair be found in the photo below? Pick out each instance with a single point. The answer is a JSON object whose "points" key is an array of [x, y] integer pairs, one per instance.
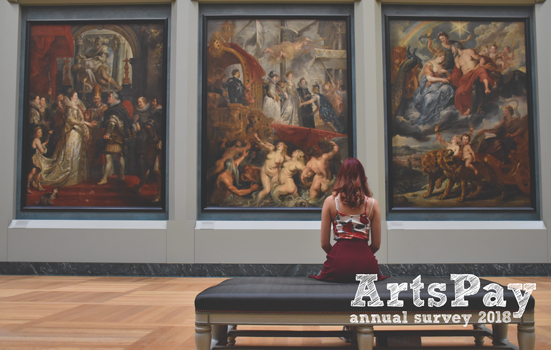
{"points": [[351, 183]]}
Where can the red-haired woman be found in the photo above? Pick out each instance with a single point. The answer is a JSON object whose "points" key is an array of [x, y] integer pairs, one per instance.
{"points": [[354, 216]]}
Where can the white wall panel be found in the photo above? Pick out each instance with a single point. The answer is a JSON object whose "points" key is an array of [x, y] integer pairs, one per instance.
{"points": [[183, 132], [9, 69], [182, 241], [543, 93], [262, 242], [467, 242], [100, 241]]}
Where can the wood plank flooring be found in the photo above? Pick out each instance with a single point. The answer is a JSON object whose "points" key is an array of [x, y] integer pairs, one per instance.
{"points": [[52, 312]]}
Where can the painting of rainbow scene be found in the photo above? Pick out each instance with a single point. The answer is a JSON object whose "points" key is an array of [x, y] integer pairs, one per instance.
{"points": [[276, 111], [459, 114], [94, 117]]}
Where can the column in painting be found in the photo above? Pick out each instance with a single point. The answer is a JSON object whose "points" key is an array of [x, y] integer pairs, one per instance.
{"points": [[79, 50], [67, 83], [340, 44], [126, 82], [119, 49], [129, 91], [139, 69]]}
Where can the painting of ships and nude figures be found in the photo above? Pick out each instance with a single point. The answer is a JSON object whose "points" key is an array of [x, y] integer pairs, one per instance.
{"points": [[95, 119], [459, 114], [276, 120]]}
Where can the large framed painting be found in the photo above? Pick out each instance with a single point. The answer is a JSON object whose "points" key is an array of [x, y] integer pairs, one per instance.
{"points": [[276, 109], [94, 115], [460, 111]]}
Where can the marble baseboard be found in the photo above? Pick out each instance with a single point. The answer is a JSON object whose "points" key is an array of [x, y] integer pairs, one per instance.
{"points": [[270, 270]]}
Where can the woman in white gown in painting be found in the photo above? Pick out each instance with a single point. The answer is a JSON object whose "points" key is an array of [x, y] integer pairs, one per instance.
{"points": [[289, 108], [69, 163], [272, 107]]}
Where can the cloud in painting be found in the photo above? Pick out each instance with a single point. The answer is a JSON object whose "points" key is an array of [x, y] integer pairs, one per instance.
{"points": [[397, 29], [504, 34], [451, 122], [304, 65]]}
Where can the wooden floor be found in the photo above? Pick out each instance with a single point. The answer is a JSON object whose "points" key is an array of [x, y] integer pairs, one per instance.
{"points": [[49, 312]]}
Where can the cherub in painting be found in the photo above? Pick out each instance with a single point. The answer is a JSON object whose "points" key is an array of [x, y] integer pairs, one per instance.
{"points": [[287, 51]]}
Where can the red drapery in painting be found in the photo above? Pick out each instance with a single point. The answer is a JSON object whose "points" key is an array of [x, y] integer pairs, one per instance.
{"points": [[303, 137], [48, 42], [255, 69]]}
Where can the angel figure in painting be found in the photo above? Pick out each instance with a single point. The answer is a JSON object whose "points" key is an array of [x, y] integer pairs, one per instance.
{"points": [[287, 51], [454, 144], [467, 152]]}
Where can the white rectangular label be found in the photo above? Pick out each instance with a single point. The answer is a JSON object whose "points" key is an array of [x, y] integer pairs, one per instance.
{"points": [[207, 225]]}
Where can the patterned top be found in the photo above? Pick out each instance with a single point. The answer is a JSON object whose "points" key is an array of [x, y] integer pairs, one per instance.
{"points": [[352, 226]]}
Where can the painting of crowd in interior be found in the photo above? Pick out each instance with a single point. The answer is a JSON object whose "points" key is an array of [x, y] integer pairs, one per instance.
{"points": [[277, 112], [94, 120], [459, 114]]}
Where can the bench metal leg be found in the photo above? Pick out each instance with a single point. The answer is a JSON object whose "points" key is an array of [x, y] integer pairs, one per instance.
{"points": [[526, 336], [203, 336], [365, 337], [231, 339], [499, 333], [219, 334], [478, 339]]}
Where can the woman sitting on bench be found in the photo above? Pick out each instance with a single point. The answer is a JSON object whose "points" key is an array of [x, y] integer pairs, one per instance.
{"points": [[354, 215]]}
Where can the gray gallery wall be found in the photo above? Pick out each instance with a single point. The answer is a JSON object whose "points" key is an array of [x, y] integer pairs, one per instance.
{"points": [[182, 239]]}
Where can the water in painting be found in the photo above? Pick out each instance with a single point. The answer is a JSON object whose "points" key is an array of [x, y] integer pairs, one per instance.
{"points": [[276, 119]]}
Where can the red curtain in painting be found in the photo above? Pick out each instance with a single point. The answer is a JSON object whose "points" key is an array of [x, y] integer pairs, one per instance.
{"points": [[303, 137], [255, 69], [48, 42], [236, 55]]}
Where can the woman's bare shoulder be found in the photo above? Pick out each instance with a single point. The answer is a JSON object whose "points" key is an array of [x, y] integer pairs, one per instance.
{"points": [[329, 201], [374, 200], [376, 207]]}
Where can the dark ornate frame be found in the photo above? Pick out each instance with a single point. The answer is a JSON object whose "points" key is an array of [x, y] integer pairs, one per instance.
{"points": [[89, 15], [265, 11], [463, 13]]}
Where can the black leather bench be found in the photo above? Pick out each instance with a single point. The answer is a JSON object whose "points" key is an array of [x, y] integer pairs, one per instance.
{"points": [[304, 301]]}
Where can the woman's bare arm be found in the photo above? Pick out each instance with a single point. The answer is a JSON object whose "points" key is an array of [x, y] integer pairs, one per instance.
{"points": [[38, 145], [494, 130], [428, 71], [306, 102], [326, 219], [240, 159], [264, 144], [441, 139], [376, 227]]}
